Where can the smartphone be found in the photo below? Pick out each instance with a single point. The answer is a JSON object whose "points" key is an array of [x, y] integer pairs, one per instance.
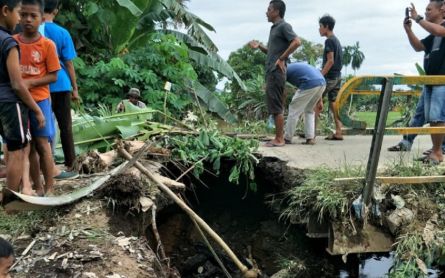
{"points": [[407, 13]]}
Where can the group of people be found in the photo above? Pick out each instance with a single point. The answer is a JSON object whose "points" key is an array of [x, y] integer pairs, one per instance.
{"points": [[37, 84], [312, 83]]}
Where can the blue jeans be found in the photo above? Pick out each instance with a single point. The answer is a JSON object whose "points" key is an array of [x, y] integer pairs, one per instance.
{"points": [[418, 120]]}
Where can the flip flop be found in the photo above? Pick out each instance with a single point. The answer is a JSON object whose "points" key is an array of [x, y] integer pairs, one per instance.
{"points": [[430, 161], [398, 148], [333, 137], [308, 142], [272, 144], [428, 152]]}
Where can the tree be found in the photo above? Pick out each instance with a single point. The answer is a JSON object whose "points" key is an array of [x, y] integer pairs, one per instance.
{"points": [[347, 57], [357, 57], [309, 52], [106, 29]]}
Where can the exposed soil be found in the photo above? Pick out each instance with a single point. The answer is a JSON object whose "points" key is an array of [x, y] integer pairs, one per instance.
{"points": [[80, 243]]}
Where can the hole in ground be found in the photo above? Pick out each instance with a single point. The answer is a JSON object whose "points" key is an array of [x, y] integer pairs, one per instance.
{"points": [[246, 222]]}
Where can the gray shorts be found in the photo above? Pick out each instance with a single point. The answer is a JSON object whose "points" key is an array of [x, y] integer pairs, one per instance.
{"points": [[332, 88], [275, 82]]}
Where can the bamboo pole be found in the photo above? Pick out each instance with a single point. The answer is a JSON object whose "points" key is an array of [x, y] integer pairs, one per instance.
{"points": [[244, 270]]}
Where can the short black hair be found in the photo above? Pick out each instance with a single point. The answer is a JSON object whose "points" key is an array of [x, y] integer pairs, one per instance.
{"points": [[438, 3], [6, 249], [11, 4], [280, 6], [51, 6], [327, 21], [35, 2]]}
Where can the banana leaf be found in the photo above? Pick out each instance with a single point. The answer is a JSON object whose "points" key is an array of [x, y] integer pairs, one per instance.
{"points": [[213, 103], [216, 63], [71, 197]]}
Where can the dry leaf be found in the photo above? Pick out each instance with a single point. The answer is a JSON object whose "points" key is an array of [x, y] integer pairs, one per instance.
{"points": [[422, 266]]}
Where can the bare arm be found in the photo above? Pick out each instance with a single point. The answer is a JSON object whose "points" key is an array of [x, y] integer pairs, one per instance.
{"points": [[257, 45], [413, 40], [20, 87], [432, 28], [329, 63], [72, 74], [294, 44], [47, 79]]}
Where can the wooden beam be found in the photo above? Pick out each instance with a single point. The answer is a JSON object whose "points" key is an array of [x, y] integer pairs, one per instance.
{"points": [[399, 180], [417, 130]]}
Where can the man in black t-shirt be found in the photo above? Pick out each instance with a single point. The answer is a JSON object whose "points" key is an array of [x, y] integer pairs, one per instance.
{"points": [[433, 97], [331, 70]]}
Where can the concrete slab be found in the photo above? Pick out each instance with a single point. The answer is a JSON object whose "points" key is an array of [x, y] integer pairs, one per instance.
{"points": [[352, 151]]}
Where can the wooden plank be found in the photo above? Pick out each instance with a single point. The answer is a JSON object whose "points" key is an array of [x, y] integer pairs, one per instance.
{"points": [[417, 130], [395, 93], [399, 180]]}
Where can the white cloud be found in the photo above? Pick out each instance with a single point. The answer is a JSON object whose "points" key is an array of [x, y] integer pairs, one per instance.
{"points": [[377, 25]]}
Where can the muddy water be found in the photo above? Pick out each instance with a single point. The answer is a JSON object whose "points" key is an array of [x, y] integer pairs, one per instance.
{"points": [[248, 226]]}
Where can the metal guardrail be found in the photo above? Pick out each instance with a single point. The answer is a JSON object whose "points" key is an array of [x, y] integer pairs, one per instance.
{"points": [[352, 87]]}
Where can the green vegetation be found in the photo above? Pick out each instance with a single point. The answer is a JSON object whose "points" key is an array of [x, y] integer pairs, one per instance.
{"points": [[369, 117], [212, 147], [320, 195], [24, 222]]}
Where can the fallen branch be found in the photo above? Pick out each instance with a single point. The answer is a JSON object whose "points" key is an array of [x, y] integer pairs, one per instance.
{"points": [[23, 254], [159, 247], [244, 270]]}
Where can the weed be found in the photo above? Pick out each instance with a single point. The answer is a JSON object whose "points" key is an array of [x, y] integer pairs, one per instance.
{"points": [[319, 194], [24, 222]]}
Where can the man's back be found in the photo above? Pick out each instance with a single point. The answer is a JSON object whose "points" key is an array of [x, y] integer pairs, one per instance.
{"points": [[66, 52], [332, 44], [304, 76]]}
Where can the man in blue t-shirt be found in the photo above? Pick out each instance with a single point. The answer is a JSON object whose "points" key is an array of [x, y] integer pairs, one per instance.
{"points": [[311, 85], [65, 88]]}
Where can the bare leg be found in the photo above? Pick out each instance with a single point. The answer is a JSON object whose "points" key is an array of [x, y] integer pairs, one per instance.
{"points": [[338, 124], [46, 162], [279, 129], [437, 139], [318, 109], [14, 169], [34, 170], [26, 183]]}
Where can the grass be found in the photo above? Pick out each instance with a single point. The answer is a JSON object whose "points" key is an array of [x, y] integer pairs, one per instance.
{"points": [[23, 222], [320, 195], [369, 117]]}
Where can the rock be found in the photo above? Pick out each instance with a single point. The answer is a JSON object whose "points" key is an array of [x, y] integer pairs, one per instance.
{"points": [[89, 275], [398, 218], [398, 201], [284, 273]]}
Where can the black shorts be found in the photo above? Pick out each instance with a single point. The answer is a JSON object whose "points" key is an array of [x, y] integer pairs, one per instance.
{"points": [[275, 82], [332, 88], [14, 125]]}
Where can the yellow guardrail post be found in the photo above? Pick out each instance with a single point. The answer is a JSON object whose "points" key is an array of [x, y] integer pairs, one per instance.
{"points": [[353, 87]]}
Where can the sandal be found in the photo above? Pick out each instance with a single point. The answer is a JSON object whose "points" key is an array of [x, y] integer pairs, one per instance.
{"points": [[398, 148], [333, 137], [308, 142]]}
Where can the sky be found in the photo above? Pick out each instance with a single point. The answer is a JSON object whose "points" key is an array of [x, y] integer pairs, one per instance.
{"points": [[377, 25]]}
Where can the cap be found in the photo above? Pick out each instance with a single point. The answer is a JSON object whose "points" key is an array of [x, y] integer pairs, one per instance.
{"points": [[134, 92]]}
